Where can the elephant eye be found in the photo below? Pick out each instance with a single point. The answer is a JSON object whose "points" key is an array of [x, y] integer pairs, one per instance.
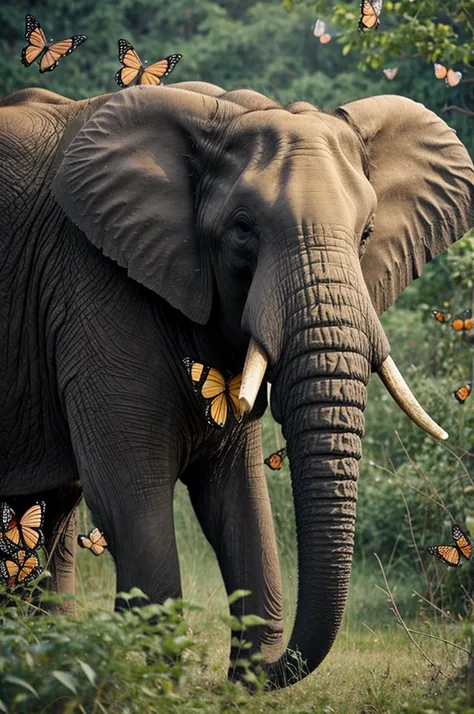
{"points": [[243, 227], [365, 237]]}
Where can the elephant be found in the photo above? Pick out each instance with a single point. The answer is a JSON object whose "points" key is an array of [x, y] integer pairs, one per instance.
{"points": [[160, 227]]}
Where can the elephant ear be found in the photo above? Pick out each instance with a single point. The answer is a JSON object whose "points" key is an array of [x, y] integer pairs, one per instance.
{"points": [[424, 181], [126, 181]]}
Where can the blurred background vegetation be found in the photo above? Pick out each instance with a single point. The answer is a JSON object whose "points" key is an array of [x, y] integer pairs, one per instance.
{"points": [[411, 489]]}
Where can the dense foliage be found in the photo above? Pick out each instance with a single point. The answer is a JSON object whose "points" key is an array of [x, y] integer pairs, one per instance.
{"points": [[411, 37], [232, 44]]}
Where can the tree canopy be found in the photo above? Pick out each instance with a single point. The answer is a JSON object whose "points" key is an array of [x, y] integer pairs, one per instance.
{"points": [[260, 45]]}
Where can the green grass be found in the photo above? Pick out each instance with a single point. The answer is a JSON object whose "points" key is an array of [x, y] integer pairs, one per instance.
{"points": [[372, 668]]}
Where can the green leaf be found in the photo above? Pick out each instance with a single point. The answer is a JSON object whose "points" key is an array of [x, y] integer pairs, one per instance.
{"points": [[237, 594], [252, 620], [21, 683], [88, 671], [3, 708], [66, 679]]}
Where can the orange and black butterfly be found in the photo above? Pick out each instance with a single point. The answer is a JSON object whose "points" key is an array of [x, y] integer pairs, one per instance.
{"points": [[133, 68], [20, 569], [95, 541], [24, 532], [219, 392], [49, 53], [462, 393], [450, 76], [370, 14], [441, 316], [463, 322], [451, 554], [275, 460]]}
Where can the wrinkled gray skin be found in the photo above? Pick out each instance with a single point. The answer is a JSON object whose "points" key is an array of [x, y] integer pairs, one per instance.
{"points": [[155, 224]]}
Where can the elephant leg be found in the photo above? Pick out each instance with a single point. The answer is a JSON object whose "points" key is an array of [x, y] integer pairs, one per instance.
{"points": [[141, 539], [230, 499], [60, 532], [128, 457]]}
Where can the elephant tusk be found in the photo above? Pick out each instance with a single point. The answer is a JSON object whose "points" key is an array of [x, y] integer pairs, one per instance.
{"points": [[400, 391], [252, 375]]}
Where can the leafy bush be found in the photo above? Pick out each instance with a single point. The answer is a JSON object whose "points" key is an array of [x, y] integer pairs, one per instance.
{"points": [[140, 660], [111, 657]]}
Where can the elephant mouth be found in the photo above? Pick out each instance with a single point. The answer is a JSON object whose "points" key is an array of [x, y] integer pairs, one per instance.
{"points": [[256, 364]]}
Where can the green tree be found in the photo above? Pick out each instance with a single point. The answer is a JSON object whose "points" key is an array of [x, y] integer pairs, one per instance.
{"points": [[412, 36]]}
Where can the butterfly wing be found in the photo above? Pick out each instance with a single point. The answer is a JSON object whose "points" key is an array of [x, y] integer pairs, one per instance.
{"points": [[95, 541], [30, 526], [452, 78], [12, 532], [449, 554], [98, 542], [4, 577], [28, 567], [233, 391], [216, 411], [194, 369], [440, 71], [324, 39], [391, 73], [9, 533], [319, 28], [462, 393], [36, 40], [214, 384], [84, 541], [58, 50], [214, 389], [6, 516], [132, 64], [463, 541], [13, 569], [369, 15], [440, 316], [275, 460], [153, 73]]}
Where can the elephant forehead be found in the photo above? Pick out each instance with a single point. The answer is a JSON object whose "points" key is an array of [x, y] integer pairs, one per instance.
{"points": [[268, 135], [314, 165]]}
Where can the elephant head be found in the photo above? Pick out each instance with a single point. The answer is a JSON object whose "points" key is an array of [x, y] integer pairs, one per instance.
{"points": [[294, 229]]}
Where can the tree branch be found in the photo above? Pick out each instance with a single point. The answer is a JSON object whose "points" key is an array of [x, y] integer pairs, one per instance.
{"points": [[454, 108]]}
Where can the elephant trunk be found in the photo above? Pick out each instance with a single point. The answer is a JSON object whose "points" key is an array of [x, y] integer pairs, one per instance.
{"points": [[319, 393], [323, 423]]}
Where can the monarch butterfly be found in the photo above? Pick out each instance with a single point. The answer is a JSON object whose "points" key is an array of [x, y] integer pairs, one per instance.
{"points": [[451, 554], [275, 460], [26, 532], [38, 46], [451, 78], [441, 316], [144, 74], [220, 393], [22, 568], [463, 322], [462, 393], [390, 72], [370, 14], [95, 541]]}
